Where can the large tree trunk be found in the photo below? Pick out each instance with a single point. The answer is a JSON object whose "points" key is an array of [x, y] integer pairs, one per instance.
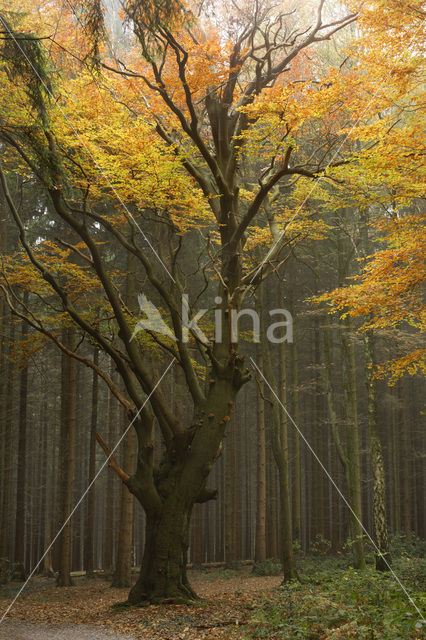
{"points": [[163, 573], [169, 493], [405, 462]]}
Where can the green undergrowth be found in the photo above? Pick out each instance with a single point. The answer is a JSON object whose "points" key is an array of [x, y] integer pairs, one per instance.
{"points": [[269, 567], [339, 603]]}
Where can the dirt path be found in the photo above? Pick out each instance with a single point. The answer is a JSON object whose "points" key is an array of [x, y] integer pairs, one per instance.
{"points": [[18, 630]]}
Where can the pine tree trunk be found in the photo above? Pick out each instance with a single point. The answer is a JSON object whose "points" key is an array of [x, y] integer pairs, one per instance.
{"points": [[112, 411], [395, 468], [280, 451], [19, 569], [123, 565], [90, 521], [8, 427], [318, 515], [405, 466], [383, 558], [260, 541], [3, 362], [352, 466], [297, 514], [68, 410]]}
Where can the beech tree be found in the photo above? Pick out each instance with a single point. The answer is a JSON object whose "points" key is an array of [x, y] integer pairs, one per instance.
{"points": [[205, 128]]}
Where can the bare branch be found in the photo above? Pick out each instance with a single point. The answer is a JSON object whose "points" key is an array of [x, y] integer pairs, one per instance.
{"points": [[112, 461]]}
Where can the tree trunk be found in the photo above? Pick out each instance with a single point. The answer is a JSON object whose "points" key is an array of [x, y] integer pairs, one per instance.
{"points": [[383, 558], [163, 573], [352, 466], [68, 407], [90, 521], [297, 513], [280, 451], [318, 485], [260, 542], [405, 463], [111, 424], [19, 569], [8, 426], [123, 565], [395, 467], [169, 494], [3, 363]]}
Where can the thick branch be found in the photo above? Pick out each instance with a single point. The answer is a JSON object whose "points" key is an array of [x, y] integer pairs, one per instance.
{"points": [[184, 357], [112, 461]]}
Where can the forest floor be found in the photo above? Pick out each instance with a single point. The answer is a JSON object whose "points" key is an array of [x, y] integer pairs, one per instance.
{"points": [[337, 603]]}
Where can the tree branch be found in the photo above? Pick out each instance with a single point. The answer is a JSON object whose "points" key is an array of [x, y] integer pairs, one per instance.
{"points": [[112, 461]]}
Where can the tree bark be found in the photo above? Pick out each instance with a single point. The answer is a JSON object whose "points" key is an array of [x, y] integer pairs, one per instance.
{"points": [[383, 558], [351, 460], [90, 519], [395, 468], [260, 541], [280, 451], [19, 569], [297, 514], [168, 495], [405, 465], [123, 565], [68, 421], [108, 538], [163, 575], [8, 429]]}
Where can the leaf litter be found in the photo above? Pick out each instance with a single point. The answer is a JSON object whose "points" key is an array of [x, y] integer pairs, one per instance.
{"points": [[227, 601]]}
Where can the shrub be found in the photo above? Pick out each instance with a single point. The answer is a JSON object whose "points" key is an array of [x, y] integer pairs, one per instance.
{"points": [[269, 567]]}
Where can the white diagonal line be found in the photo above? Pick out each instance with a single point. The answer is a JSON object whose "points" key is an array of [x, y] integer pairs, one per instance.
{"points": [[84, 495], [337, 489], [99, 168]]}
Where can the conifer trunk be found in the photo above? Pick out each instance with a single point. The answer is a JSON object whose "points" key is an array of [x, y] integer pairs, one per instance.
{"points": [[19, 569], [8, 427], [260, 542], [68, 421], [123, 566], [280, 451], [90, 520], [383, 558]]}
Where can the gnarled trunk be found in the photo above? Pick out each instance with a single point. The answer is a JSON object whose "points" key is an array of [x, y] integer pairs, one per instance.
{"points": [[169, 492], [163, 572]]}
